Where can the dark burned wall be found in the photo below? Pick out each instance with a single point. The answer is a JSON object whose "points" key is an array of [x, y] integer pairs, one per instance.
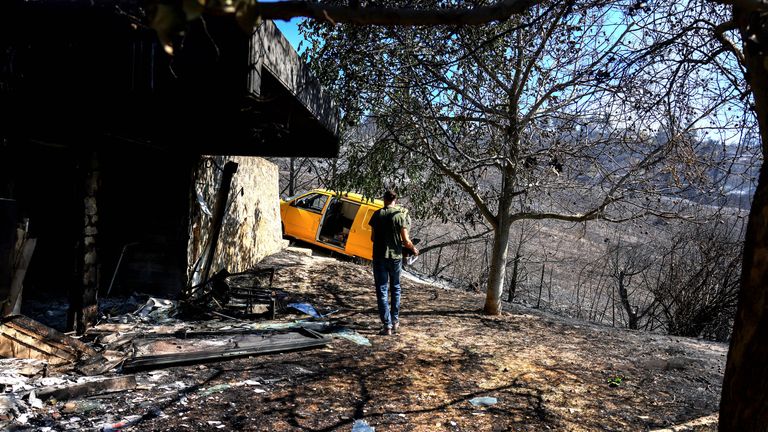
{"points": [[78, 77], [145, 206], [143, 201], [41, 177]]}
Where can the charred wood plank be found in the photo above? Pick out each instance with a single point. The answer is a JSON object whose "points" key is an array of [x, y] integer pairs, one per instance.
{"points": [[22, 337], [101, 363], [270, 345], [107, 385], [13, 305]]}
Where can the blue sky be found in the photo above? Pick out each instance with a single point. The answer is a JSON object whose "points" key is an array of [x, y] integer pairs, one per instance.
{"points": [[291, 31]]}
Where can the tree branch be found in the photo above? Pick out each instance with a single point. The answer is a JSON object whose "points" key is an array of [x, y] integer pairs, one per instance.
{"points": [[454, 241], [387, 16], [727, 43], [746, 5]]}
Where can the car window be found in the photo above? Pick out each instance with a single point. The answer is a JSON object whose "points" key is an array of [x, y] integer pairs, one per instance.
{"points": [[314, 202]]}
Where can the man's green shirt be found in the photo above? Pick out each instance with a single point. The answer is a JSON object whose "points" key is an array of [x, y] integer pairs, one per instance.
{"points": [[387, 224]]}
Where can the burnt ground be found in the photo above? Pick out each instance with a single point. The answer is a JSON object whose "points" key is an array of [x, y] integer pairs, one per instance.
{"points": [[546, 372]]}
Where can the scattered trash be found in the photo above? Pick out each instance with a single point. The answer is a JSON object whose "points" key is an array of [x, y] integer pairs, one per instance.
{"points": [[23, 418], [25, 367], [12, 381], [50, 381], [127, 421], [362, 426], [147, 333], [215, 389], [80, 406], [157, 310], [101, 363], [10, 406], [236, 296], [305, 308], [33, 400], [315, 326], [483, 401], [351, 335]]}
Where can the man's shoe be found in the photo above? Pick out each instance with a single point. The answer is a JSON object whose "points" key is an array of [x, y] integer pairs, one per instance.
{"points": [[386, 331], [395, 327]]}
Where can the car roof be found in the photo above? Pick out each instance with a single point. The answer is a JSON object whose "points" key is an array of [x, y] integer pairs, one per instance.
{"points": [[355, 197]]}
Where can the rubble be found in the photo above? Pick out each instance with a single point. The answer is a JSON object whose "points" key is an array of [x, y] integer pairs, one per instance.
{"points": [[87, 388], [423, 379], [148, 335], [21, 337], [183, 351]]}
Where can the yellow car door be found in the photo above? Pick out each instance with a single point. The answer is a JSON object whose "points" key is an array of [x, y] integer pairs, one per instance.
{"points": [[359, 242], [301, 217]]}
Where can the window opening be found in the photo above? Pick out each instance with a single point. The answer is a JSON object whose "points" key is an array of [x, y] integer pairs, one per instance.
{"points": [[338, 222], [314, 202]]}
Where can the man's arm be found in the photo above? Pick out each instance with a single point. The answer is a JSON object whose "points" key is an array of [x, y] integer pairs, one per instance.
{"points": [[407, 243]]}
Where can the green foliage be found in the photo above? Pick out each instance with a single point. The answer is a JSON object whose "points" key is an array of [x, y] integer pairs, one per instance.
{"points": [[615, 381], [472, 121]]}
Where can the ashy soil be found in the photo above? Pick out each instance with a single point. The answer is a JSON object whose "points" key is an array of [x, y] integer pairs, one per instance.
{"points": [[545, 372]]}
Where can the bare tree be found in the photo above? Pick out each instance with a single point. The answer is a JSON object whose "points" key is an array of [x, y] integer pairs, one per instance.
{"points": [[626, 265], [698, 287], [299, 175]]}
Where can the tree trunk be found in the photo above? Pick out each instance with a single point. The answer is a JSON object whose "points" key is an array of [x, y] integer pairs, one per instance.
{"points": [[624, 297], [744, 402], [513, 282], [498, 267], [292, 178], [541, 286]]}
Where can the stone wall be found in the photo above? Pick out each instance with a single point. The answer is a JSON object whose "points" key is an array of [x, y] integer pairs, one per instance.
{"points": [[251, 227]]}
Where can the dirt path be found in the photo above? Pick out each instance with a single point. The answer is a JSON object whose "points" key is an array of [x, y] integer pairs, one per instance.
{"points": [[545, 372]]}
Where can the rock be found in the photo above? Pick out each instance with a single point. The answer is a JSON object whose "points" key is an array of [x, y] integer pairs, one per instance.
{"points": [[679, 363]]}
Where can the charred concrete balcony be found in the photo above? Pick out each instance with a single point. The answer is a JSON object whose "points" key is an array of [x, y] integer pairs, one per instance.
{"points": [[77, 71]]}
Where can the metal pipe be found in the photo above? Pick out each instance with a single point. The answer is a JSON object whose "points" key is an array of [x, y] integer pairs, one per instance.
{"points": [[117, 267]]}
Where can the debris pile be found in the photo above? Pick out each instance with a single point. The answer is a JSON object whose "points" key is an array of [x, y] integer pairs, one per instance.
{"points": [[245, 295], [54, 381]]}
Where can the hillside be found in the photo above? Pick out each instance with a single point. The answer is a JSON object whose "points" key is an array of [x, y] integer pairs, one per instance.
{"points": [[546, 372]]}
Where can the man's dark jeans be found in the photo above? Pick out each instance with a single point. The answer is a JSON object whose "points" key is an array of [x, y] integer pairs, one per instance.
{"points": [[386, 275]]}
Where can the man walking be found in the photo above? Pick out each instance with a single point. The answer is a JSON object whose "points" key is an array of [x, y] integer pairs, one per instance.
{"points": [[389, 233]]}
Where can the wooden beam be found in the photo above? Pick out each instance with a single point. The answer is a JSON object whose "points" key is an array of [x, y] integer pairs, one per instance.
{"points": [[310, 339], [107, 385], [22, 337], [13, 304]]}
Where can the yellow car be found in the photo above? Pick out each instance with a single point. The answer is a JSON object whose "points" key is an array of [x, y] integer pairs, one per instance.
{"points": [[337, 221]]}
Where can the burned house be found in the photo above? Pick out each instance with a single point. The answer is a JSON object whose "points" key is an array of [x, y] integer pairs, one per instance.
{"points": [[118, 158]]}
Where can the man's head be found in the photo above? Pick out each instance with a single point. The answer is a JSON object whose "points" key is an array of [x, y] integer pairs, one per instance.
{"points": [[389, 197]]}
